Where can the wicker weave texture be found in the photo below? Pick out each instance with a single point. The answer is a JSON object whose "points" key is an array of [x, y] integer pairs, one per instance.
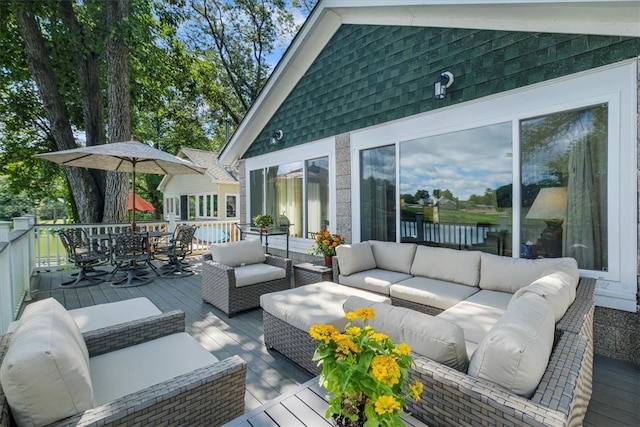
{"points": [[289, 341], [219, 285], [434, 311], [302, 277]]}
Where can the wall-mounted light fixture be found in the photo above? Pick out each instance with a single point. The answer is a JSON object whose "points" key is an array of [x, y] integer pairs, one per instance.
{"points": [[444, 81], [276, 137]]}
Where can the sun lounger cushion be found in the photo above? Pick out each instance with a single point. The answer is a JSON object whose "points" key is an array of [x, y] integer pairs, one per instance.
{"points": [[374, 280], [447, 264], [515, 352], [428, 336], [45, 373], [239, 253], [257, 273], [355, 257], [393, 256], [506, 274], [131, 369], [557, 288]]}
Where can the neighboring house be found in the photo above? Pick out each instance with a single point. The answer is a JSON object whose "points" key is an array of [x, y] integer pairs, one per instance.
{"points": [[213, 195], [540, 126]]}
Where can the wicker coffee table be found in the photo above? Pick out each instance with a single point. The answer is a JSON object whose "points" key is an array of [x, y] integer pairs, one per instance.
{"points": [[304, 406]]}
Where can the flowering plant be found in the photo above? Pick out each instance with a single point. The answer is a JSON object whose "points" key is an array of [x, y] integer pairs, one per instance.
{"points": [[326, 243], [364, 372]]}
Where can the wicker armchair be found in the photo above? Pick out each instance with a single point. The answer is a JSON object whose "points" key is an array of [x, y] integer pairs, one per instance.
{"points": [[210, 395], [219, 285]]}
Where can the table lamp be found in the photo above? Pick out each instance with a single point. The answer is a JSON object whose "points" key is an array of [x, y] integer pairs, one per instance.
{"points": [[550, 205]]}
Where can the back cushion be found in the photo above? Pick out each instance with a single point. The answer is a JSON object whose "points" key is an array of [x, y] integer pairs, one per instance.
{"points": [[45, 373], [427, 336], [447, 264], [235, 254], [355, 257], [393, 256], [558, 289], [515, 352], [506, 274]]}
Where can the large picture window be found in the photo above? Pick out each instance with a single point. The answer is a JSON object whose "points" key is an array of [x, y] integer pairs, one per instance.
{"points": [[377, 193]]}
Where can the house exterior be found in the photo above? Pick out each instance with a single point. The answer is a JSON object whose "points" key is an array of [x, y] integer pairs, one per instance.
{"points": [[536, 138], [213, 195]]}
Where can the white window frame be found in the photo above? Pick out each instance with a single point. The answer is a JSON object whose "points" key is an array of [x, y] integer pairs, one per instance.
{"points": [[321, 148], [615, 85], [226, 213], [208, 201]]}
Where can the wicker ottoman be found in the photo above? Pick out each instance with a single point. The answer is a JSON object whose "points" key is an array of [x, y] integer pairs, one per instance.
{"points": [[289, 314]]}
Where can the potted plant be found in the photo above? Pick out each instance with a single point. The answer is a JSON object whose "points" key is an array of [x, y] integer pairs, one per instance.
{"points": [[263, 221], [326, 244], [364, 372]]}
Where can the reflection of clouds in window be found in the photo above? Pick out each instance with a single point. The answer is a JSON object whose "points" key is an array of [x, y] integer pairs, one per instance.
{"points": [[381, 165], [465, 162]]}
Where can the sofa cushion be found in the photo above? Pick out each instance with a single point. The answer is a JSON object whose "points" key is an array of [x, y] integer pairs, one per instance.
{"points": [[516, 351], [393, 256], [436, 293], [557, 288], [507, 274], [355, 257], [447, 264], [239, 253], [308, 305], [427, 336], [131, 369], [374, 280], [477, 314], [257, 273], [45, 373]]}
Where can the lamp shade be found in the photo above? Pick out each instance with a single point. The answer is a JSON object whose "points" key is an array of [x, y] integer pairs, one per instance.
{"points": [[550, 203]]}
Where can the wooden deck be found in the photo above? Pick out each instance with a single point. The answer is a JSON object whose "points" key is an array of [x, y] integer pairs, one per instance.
{"points": [[616, 386]]}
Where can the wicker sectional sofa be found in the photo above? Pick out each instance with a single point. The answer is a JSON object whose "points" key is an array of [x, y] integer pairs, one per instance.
{"points": [[453, 396]]}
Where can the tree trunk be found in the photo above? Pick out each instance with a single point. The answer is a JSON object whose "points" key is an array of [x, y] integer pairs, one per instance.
{"points": [[85, 192], [88, 67], [119, 122]]}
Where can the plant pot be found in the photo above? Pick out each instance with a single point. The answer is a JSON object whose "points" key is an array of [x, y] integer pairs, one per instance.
{"points": [[327, 261]]}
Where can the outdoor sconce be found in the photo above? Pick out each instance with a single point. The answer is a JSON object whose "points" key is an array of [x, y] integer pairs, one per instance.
{"points": [[443, 81], [276, 137]]}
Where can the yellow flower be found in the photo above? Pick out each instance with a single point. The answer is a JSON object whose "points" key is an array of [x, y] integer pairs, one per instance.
{"points": [[385, 369], [403, 349], [416, 389], [351, 316], [323, 333], [379, 337], [366, 313], [354, 331], [344, 345], [386, 404]]}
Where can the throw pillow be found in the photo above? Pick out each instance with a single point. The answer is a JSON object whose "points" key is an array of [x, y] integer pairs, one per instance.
{"points": [[235, 254]]}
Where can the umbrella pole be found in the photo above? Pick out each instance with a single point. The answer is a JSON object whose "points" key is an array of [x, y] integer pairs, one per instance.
{"points": [[133, 185]]}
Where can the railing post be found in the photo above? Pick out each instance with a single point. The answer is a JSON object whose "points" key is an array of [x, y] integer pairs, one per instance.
{"points": [[26, 222], [420, 227], [5, 229], [172, 222]]}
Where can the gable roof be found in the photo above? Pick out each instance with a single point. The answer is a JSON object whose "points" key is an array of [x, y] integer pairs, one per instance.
{"points": [[208, 160], [609, 17]]}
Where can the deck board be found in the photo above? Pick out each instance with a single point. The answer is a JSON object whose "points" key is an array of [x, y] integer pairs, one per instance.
{"points": [[616, 385]]}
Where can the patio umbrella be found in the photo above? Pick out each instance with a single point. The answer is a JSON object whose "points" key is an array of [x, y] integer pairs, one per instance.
{"points": [[128, 156], [135, 201]]}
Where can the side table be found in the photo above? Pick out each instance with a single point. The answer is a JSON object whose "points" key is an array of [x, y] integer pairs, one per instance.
{"points": [[308, 273]]}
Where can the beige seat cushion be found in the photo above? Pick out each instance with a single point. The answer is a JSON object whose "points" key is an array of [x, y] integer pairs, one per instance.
{"points": [[131, 369], [432, 292], [557, 288], [516, 351], [427, 336], [257, 273], [506, 274], [374, 280], [477, 314], [447, 264], [239, 253], [45, 373], [308, 305], [355, 257], [393, 256]]}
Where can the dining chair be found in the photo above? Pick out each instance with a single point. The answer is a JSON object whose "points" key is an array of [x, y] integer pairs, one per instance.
{"points": [[131, 256], [84, 256], [175, 250]]}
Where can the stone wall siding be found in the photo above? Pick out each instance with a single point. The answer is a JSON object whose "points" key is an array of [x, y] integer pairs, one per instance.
{"points": [[367, 74], [343, 187], [617, 334]]}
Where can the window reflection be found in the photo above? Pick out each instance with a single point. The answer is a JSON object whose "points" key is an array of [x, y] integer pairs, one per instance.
{"points": [[378, 193], [317, 194], [456, 189]]}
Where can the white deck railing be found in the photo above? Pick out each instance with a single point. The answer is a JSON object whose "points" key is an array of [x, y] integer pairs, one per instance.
{"points": [[17, 262]]}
